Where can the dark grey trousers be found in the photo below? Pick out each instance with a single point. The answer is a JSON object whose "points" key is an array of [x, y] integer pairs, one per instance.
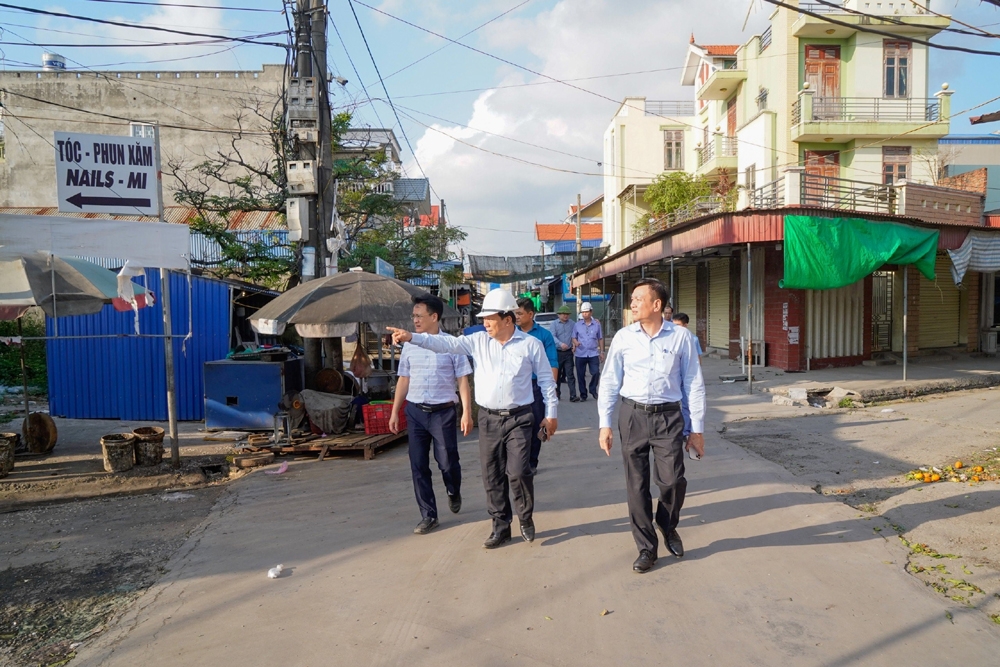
{"points": [[504, 449], [663, 434]]}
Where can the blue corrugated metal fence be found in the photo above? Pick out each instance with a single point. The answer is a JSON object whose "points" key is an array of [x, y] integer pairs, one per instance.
{"points": [[124, 378]]}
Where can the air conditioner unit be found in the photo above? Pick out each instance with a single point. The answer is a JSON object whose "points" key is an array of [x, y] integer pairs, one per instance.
{"points": [[298, 219], [301, 177]]}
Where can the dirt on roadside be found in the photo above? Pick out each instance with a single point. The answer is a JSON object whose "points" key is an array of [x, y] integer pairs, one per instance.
{"points": [[72, 567], [867, 458]]}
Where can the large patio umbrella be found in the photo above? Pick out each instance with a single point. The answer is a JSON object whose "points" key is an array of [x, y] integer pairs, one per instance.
{"points": [[331, 307], [80, 287]]}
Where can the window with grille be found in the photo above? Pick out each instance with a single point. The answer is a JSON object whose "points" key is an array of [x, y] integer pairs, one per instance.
{"points": [[897, 68], [673, 150], [895, 164], [762, 99], [143, 130], [750, 177]]}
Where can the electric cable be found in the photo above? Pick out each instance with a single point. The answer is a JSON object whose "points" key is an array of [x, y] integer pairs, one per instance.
{"points": [[172, 4]]}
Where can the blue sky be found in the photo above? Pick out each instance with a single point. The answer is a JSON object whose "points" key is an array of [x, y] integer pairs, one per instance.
{"points": [[491, 190]]}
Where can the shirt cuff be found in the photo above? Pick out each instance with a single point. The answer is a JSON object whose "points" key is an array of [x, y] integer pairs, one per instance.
{"points": [[551, 412], [418, 338], [604, 422], [697, 425]]}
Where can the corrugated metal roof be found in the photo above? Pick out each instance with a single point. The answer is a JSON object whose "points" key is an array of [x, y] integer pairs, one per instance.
{"points": [[566, 232], [251, 220], [411, 189], [570, 246], [970, 139]]}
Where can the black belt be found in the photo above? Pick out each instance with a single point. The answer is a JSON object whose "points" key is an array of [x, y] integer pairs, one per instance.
{"points": [[653, 408], [424, 407], [513, 412]]}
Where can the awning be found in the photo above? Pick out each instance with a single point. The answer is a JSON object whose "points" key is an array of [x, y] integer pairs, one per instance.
{"points": [[827, 253], [980, 252]]}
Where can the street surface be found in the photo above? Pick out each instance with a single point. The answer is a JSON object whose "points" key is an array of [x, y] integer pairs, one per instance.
{"points": [[775, 573]]}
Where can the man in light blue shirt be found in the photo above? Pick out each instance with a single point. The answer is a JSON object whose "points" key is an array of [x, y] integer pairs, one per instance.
{"points": [[652, 366], [562, 331], [505, 359], [588, 348], [682, 320], [427, 384], [525, 318]]}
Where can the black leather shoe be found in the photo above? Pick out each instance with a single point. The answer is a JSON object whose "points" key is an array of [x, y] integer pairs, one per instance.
{"points": [[426, 526], [574, 399], [455, 503], [644, 563], [583, 399], [674, 543], [528, 530], [498, 538]]}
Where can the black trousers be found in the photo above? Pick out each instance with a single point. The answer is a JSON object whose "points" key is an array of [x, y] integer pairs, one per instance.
{"points": [[505, 449], [538, 412], [662, 434], [424, 430], [566, 374]]}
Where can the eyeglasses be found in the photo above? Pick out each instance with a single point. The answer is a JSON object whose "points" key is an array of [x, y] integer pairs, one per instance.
{"points": [[418, 317]]}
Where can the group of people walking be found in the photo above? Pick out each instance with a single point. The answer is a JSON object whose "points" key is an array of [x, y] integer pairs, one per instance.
{"points": [[652, 368]]}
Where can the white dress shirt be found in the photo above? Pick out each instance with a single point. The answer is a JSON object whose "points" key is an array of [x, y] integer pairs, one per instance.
{"points": [[432, 376], [503, 370], [653, 369]]}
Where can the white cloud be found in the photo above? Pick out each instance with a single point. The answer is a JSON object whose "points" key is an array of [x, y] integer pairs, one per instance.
{"points": [[573, 39]]}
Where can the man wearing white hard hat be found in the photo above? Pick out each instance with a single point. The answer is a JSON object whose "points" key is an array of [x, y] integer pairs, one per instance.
{"points": [[505, 359], [588, 348]]}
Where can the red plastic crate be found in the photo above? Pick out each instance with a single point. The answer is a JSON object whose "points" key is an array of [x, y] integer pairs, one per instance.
{"points": [[377, 417]]}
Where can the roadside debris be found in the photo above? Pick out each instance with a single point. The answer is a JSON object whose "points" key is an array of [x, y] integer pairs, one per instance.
{"points": [[275, 572]]}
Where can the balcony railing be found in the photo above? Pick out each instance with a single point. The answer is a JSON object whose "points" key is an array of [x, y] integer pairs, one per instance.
{"points": [[876, 109], [384, 188], [696, 209], [820, 8], [771, 195], [841, 193], [765, 40], [893, 8], [717, 147], [669, 108]]}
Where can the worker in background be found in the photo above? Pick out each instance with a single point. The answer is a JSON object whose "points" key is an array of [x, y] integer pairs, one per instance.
{"points": [[427, 384], [524, 316], [505, 359], [562, 331], [588, 348]]}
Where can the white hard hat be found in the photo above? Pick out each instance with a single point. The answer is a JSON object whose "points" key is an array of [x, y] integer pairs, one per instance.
{"points": [[498, 301], [586, 308]]}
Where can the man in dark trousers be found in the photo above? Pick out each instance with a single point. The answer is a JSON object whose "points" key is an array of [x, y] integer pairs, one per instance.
{"points": [[562, 331], [652, 366], [505, 359], [427, 383], [524, 316], [588, 348]]}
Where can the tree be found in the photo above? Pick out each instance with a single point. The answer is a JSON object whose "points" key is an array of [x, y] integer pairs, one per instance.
{"points": [[674, 190], [411, 252]]}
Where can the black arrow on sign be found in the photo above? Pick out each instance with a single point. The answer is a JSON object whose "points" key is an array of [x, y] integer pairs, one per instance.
{"points": [[80, 201]]}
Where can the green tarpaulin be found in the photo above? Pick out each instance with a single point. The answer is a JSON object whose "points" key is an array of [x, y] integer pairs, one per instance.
{"points": [[827, 253]]}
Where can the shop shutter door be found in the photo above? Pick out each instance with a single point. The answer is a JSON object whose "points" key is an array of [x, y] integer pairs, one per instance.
{"points": [[835, 321], [939, 309], [718, 303], [687, 287]]}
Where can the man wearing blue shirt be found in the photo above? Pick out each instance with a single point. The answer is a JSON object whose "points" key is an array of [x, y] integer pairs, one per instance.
{"points": [[525, 318], [562, 331], [588, 348], [505, 359], [653, 366]]}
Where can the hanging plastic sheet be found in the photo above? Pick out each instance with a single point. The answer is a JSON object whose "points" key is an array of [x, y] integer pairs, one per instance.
{"points": [[979, 252]]}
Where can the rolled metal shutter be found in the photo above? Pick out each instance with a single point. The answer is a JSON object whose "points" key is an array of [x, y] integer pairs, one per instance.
{"points": [[835, 321], [687, 291], [940, 309], [718, 303]]}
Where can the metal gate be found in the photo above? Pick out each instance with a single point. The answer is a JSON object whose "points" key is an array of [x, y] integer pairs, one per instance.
{"points": [[718, 303], [882, 284], [834, 321], [940, 307], [757, 276]]}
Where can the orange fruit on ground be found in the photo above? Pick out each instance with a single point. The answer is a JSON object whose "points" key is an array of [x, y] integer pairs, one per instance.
{"points": [[975, 478], [978, 469], [927, 479], [918, 476], [959, 464], [935, 477]]}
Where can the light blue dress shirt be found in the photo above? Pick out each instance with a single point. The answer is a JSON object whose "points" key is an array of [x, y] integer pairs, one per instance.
{"points": [[655, 369], [503, 370], [587, 336], [563, 332], [432, 376]]}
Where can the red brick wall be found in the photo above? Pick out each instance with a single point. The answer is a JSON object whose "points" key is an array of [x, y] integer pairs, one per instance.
{"points": [[780, 353], [970, 181], [701, 299], [913, 308], [735, 301], [972, 284]]}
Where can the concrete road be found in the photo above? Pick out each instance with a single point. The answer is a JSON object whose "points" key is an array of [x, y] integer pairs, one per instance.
{"points": [[774, 575]]}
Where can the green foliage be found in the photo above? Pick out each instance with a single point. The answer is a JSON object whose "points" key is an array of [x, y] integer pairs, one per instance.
{"points": [[675, 190], [406, 249], [34, 352]]}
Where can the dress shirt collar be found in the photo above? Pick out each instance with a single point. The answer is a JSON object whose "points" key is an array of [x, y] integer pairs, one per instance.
{"points": [[637, 327]]}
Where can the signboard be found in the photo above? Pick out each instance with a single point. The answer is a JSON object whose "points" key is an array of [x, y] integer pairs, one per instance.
{"points": [[384, 268], [98, 173]]}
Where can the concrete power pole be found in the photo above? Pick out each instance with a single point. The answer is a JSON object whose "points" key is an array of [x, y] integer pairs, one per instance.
{"points": [[579, 248]]}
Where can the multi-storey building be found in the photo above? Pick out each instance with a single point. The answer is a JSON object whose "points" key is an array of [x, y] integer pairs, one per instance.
{"points": [[823, 116]]}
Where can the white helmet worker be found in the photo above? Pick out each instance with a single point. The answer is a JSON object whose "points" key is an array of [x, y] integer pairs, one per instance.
{"points": [[498, 301]]}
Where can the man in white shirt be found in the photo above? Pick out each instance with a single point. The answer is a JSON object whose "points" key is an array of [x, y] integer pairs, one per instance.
{"points": [[652, 366], [505, 359], [427, 384]]}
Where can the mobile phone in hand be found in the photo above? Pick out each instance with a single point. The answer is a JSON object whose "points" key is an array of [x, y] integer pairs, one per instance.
{"points": [[543, 434]]}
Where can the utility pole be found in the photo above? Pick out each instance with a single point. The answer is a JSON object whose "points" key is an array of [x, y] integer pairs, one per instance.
{"points": [[579, 248], [314, 141]]}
